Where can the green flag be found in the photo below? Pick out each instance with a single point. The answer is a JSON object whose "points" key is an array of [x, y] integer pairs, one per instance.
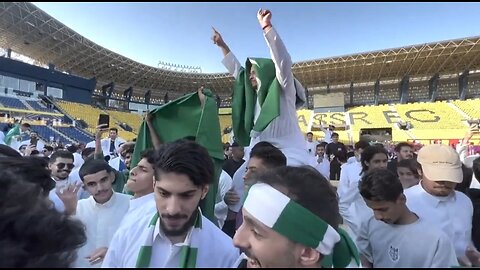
{"points": [[185, 117], [244, 98], [15, 131]]}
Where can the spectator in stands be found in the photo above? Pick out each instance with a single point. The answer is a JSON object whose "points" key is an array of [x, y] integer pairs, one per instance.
{"points": [[101, 213], [60, 165], [34, 236], [88, 153], [403, 151], [2, 135], [231, 165], [300, 232], [310, 144], [121, 177], [22, 149], [227, 151], [321, 161], [122, 162], [395, 236], [333, 150], [77, 158], [111, 144], [279, 95], [351, 158], [47, 151], [408, 171], [435, 199], [328, 133]]}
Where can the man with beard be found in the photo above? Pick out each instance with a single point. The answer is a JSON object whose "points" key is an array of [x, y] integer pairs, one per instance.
{"points": [[291, 220], [101, 214], [396, 236], [178, 235], [60, 166]]}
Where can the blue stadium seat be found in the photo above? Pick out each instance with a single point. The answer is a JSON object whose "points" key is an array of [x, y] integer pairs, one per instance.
{"points": [[37, 107], [75, 133], [12, 103], [45, 133]]}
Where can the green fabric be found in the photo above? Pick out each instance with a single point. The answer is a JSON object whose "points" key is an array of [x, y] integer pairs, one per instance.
{"points": [[15, 131], [244, 99], [300, 225], [343, 253], [188, 253], [188, 257], [185, 117]]}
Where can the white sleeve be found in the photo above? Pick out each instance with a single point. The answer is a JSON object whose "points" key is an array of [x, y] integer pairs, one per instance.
{"points": [[363, 242], [281, 58], [238, 186], [112, 258], [444, 256], [232, 64], [221, 208], [462, 151], [346, 193]]}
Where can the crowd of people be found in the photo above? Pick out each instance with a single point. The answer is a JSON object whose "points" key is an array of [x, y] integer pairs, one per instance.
{"points": [[104, 204]]}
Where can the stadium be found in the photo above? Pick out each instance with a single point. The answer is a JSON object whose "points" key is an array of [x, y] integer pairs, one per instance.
{"points": [[60, 82]]}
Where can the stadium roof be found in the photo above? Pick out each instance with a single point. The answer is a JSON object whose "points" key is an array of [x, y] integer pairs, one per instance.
{"points": [[26, 29]]}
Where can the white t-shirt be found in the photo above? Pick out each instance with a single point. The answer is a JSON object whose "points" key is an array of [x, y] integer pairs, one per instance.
{"points": [[221, 208], [311, 147], [452, 214], [407, 246], [351, 205], [101, 222], [138, 208]]}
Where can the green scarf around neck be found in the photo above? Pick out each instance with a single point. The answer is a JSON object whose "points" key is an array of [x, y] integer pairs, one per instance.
{"points": [[245, 97]]}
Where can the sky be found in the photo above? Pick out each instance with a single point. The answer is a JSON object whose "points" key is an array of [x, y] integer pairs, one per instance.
{"points": [[180, 33]]}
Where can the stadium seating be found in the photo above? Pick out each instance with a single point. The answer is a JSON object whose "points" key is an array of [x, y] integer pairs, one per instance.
{"points": [[470, 107], [75, 134], [434, 116], [90, 114], [37, 107], [46, 133], [134, 120], [12, 103]]}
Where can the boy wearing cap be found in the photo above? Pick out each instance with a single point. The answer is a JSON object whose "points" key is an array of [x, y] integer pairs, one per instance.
{"points": [[291, 220], [435, 200]]}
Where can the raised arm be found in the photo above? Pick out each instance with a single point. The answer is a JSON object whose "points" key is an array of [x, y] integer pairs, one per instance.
{"points": [[153, 133], [278, 51], [229, 61]]}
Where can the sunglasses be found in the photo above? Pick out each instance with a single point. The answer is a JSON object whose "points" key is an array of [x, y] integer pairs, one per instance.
{"points": [[60, 166]]}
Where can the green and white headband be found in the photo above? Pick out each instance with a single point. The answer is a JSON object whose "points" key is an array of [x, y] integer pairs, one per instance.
{"points": [[290, 219]]}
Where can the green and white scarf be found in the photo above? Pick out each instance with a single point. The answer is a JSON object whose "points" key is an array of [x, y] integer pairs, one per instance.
{"points": [[278, 212], [188, 252], [268, 94]]}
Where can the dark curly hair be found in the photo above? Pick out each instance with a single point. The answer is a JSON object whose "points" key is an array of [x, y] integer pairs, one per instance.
{"points": [[32, 233]]}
